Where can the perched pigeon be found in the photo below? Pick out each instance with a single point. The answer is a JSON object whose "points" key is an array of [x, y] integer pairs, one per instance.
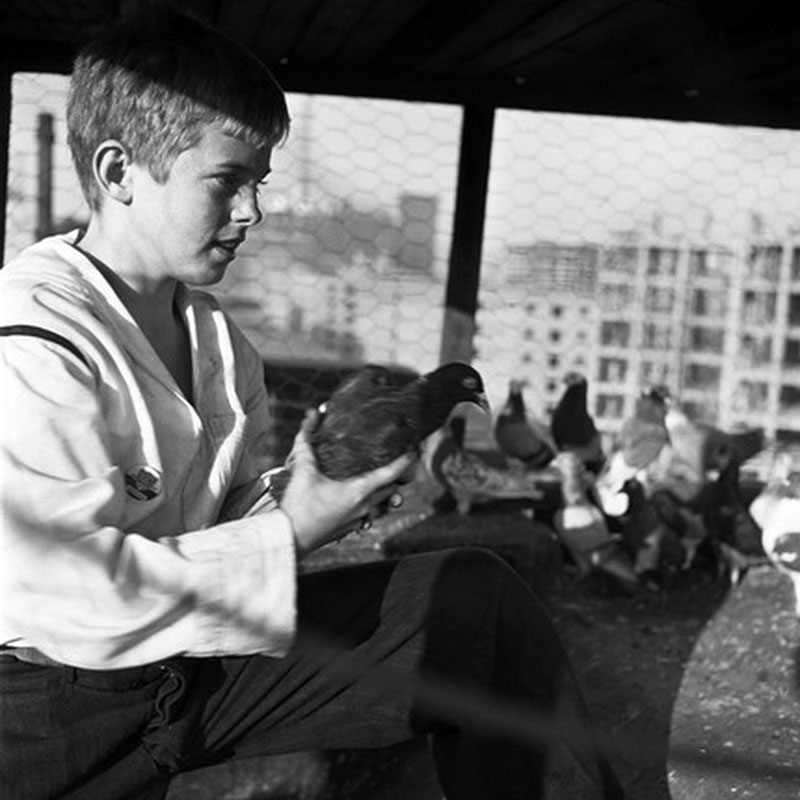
{"points": [[781, 539], [471, 480], [573, 428], [644, 435], [642, 443], [724, 446], [656, 549], [699, 453], [778, 486], [368, 422], [733, 533], [520, 437], [582, 528], [687, 524]]}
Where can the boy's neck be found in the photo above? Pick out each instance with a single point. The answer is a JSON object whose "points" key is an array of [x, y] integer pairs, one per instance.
{"points": [[158, 318], [145, 301]]}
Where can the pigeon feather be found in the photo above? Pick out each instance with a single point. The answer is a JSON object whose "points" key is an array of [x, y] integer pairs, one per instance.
{"points": [[518, 436], [572, 426], [369, 421]]}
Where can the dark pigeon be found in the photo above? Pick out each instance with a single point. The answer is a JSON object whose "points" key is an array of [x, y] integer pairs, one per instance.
{"points": [[516, 434], [573, 428], [369, 421]]}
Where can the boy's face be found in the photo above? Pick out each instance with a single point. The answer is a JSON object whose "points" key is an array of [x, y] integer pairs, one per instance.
{"points": [[189, 227]]}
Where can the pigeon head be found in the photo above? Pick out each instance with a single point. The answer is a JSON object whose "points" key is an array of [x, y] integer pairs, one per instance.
{"points": [[515, 404], [658, 392], [445, 388], [574, 378]]}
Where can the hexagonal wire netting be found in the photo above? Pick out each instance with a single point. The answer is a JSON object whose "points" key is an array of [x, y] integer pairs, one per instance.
{"points": [[634, 251]]}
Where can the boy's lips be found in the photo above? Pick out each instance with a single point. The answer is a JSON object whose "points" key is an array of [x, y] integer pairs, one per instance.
{"points": [[228, 245]]}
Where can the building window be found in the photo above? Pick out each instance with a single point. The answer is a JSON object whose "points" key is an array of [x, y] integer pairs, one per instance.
{"points": [[750, 396], [662, 261], [659, 299], [705, 410], [791, 353], [698, 263], [616, 334], [758, 308], [553, 361], [704, 303], [794, 309], [613, 369], [656, 337], [701, 376], [706, 340], [616, 297], [621, 259], [555, 336], [755, 351], [796, 264], [609, 406], [789, 398], [764, 262], [653, 372]]}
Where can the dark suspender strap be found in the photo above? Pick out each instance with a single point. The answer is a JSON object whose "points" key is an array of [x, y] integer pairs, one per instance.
{"points": [[43, 333]]}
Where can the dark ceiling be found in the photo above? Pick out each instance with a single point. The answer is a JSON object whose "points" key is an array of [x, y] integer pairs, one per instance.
{"points": [[734, 61]]}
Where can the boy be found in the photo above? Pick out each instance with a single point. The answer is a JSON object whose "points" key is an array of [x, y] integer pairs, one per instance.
{"points": [[143, 632]]}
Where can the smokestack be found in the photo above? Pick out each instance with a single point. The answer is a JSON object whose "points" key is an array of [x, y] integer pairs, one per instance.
{"points": [[44, 198]]}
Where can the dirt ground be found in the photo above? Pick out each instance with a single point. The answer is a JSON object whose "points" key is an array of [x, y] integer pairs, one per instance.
{"points": [[630, 651]]}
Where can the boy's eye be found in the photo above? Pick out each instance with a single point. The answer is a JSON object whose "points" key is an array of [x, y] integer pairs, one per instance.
{"points": [[228, 181]]}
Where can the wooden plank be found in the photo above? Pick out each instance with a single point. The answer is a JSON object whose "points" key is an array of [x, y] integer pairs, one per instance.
{"points": [[284, 26], [463, 276], [5, 134], [243, 21], [781, 110], [332, 27], [370, 39], [426, 31], [500, 24], [546, 31]]}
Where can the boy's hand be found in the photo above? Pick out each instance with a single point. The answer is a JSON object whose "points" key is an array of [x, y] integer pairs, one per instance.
{"points": [[323, 510]]}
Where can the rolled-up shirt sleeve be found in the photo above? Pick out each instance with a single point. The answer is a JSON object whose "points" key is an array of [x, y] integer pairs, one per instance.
{"points": [[90, 579]]}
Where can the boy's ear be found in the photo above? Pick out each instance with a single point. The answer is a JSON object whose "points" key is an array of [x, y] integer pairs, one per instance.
{"points": [[112, 171]]}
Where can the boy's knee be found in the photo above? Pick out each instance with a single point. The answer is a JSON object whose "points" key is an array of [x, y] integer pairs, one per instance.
{"points": [[481, 567]]}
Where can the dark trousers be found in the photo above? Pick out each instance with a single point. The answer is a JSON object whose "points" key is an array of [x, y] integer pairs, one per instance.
{"points": [[452, 645]]}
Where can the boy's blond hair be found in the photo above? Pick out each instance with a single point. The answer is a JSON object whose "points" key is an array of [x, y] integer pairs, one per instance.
{"points": [[154, 81]]}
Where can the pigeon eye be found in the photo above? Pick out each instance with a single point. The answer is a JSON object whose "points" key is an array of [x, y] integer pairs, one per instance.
{"points": [[470, 383]]}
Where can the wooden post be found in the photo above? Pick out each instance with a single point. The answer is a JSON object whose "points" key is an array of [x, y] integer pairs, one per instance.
{"points": [[5, 137], [463, 277], [44, 195]]}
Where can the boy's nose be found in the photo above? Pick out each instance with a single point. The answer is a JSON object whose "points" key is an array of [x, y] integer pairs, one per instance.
{"points": [[246, 210]]}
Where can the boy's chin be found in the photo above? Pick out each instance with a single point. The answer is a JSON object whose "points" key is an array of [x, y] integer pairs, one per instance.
{"points": [[207, 277]]}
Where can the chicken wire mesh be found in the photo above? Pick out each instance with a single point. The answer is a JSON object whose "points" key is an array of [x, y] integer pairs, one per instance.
{"points": [[644, 252], [633, 251]]}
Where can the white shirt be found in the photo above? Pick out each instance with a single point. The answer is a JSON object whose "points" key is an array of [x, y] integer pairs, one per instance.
{"points": [[112, 483]]}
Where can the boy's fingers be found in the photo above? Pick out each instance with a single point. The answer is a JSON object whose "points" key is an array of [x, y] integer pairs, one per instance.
{"points": [[389, 473]]}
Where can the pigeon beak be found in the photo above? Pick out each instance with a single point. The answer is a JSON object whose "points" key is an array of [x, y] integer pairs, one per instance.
{"points": [[483, 403]]}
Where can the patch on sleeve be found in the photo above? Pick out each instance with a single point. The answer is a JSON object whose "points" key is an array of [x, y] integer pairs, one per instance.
{"points": [[143, 482]]}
